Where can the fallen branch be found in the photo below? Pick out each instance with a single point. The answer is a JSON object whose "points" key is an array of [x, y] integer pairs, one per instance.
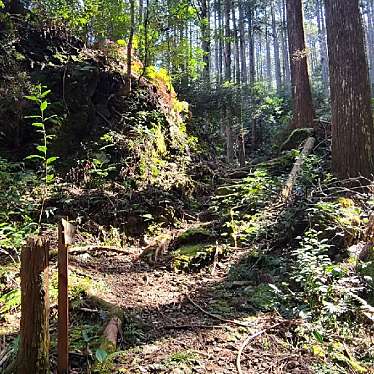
{"points": [[287, 189], [89, 248], [192, 326], [246, 342], [110, 334], [234, 322]]}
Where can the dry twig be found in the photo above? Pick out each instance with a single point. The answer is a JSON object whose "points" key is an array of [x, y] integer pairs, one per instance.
{"points": [[234, 322], [250, 338]]}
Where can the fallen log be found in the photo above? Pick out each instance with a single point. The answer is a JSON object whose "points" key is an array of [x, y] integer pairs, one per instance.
{"points": [[109, 343], [287, 189]]}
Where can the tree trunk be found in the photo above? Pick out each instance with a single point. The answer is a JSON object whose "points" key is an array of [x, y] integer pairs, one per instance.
{"points": [[251, 50], [303, 113], [243, 57], [370, 37], [352, 122], [278, 75], [229, 140], [220, 41], [269, 75], [33, 354], [237, 52], [323, 47], [285, 54], [216, 43], [129, 45], [227, 11], [205, 39]]}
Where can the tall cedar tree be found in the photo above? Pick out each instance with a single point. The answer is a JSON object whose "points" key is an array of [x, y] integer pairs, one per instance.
{"points": [[352, 122], [303, 113]]}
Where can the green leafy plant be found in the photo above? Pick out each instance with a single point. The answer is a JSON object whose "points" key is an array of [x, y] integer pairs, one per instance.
{"points": [[39, 96]]}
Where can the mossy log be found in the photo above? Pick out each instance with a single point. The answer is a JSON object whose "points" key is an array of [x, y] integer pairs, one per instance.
{"points": [[296, 138], [193, 256], [287, 189]]}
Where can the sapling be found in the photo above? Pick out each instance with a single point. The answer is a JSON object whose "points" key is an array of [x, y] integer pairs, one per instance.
{"points": [[39, 96]]}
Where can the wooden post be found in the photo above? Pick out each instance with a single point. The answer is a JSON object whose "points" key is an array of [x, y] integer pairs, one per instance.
{"points": [[65, 237], [33, 354]]}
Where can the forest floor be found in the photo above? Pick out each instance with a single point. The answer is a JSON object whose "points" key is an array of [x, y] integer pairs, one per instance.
{"points": [[239, 311], [171, 334]]}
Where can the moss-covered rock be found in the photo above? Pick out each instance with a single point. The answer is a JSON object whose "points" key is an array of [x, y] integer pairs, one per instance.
{"points": [[226, 190], [194, 256], [194, 235], [296, 138]]}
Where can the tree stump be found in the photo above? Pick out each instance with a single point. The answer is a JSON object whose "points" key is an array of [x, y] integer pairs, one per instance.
{"points": [[33, 354]]}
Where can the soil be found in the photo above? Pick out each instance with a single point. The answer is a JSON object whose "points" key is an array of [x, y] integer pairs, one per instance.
{"points": [[163, 307]]}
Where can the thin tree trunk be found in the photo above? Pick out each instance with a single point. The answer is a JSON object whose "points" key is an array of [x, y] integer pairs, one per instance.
{"points": [[205, 39], [141, 9], [221, 46], [243, 57], [285, 51], [269, 75], [251, 50], [229, 140], [216, 44], [352, 122], [323, 47], [228, 67], [237, 52], [277, 63], [129, 45], [303, 113]]}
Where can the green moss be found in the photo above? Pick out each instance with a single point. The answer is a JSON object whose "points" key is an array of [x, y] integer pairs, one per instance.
{"points": [[194, 256], [339, 215], [195, 234], [226, 190], [296, 138]]}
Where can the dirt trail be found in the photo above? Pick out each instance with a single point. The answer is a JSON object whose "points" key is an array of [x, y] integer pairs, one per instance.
{"points": [[168, 334]]}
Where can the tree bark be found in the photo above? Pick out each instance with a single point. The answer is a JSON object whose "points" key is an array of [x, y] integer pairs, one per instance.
{"points": [[227, 11], [370, 38], [205, 39], [269, 74], [285, 53], [33, 354], [303, 113], [251, 49], [323, 46], [129, 45], [278, 74], [352, 122], [229, 139], [243, 57], [220, 40], [236, 44]]}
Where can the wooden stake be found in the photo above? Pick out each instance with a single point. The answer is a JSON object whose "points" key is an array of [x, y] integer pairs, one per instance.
{"points": [[65, 238], [33, 354]]}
